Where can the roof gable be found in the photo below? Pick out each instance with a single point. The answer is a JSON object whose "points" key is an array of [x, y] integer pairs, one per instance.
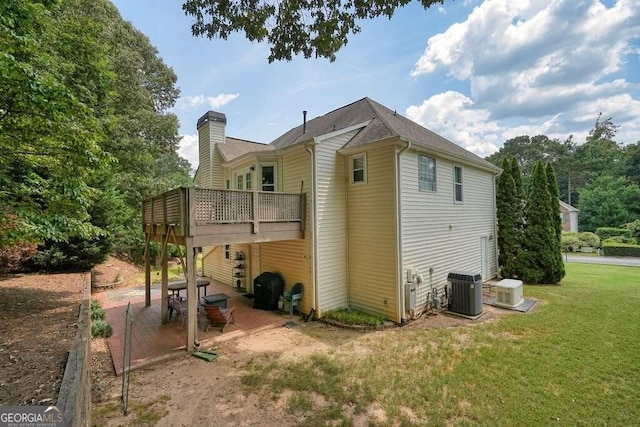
{"points": [[382, 123], [234, 148]]}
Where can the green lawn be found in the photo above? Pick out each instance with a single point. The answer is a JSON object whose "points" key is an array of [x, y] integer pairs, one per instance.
{"points": [[575, 360]]}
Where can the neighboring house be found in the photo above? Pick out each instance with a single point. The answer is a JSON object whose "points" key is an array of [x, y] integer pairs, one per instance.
{"points": [[385, 199], [569, 216]]}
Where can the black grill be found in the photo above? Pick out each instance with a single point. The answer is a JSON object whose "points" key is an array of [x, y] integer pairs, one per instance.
{"points": [[267, 289]]}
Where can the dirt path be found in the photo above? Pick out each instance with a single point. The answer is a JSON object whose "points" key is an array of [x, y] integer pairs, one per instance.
{"points": [[190, 391]]}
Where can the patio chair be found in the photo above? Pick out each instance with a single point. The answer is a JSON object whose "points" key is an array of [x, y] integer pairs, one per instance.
{"points": [[293, 297], [218, 315], [179, 305]]}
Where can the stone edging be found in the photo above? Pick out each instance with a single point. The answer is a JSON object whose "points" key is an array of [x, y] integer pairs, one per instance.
{"points": [[74, 398]]}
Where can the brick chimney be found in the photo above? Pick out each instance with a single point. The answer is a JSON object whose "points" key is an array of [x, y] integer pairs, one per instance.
{"points": [[211, 131]]}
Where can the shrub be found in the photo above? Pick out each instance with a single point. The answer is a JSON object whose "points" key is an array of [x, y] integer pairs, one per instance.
{"points": [[606, 232], [100, 328], [570, 242], [77, 254], [588, 239], [621, 249], [634, 228], [621, 239], [97, 312]]}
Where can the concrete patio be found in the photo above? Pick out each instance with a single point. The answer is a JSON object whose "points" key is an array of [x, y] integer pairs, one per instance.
{"points": [[153, 342]]}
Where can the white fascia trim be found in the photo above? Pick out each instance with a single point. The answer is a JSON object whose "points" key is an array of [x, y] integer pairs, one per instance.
{"points": [[448, 156]]}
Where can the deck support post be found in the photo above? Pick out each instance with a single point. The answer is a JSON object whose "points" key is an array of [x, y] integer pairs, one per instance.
{"points": [[147, 269], [192, 296], [164, 261]]}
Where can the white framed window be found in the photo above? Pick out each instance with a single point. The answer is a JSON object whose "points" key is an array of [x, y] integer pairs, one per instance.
{"points": [[359, 168], [426, 173], [243, 179], [226, 252], [457, 184], [268, 177], [227, 184]]}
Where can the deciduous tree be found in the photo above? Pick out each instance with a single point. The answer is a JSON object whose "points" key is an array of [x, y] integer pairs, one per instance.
{"points": [[291, 27]]}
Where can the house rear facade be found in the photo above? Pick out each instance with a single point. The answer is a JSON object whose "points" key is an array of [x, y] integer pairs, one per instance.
{"points": [[391, 208]]}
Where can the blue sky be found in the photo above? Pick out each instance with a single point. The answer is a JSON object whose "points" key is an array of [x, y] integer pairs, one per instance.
{"points": [[476, 72]]}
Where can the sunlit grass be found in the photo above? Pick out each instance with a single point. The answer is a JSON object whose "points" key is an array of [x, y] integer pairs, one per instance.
{"points": [[573, 360], [175, 273]]}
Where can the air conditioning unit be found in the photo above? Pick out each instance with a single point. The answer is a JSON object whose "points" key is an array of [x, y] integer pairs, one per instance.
{"points": [[466, 293], [509, 293]]}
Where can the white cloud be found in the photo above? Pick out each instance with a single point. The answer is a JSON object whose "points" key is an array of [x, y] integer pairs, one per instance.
{"points": [[442, 10], [214, 102], [189, 149], [452, 115], [551, 64]]}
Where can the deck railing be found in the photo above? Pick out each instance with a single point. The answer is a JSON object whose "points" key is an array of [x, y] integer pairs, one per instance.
{"points": [[207, 206]]}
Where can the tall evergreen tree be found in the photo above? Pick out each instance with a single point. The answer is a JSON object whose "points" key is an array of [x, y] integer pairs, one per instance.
{"points": [[516, 174], [539, 236], [556, 272], [507, 211]]}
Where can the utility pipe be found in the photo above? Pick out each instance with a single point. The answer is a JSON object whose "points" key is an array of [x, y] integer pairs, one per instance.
{"points": [[401, 291], [314, 243]]}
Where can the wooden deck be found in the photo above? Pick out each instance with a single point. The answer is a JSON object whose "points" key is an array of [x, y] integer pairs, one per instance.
{"points": [[198, 217], [212, 216]]}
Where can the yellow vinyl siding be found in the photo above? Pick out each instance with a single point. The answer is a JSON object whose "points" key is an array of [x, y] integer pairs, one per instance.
{"points": [[218, 173], [292, 258], [332, 230], [203, 177], [219, 268], [371, 208], [442, 235]]}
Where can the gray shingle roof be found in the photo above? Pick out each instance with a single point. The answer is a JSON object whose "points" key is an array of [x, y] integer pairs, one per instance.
{"points": [[383, 123], [234, 148]]}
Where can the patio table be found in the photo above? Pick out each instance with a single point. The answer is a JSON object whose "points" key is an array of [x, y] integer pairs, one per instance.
{"points": [[176, 287]]}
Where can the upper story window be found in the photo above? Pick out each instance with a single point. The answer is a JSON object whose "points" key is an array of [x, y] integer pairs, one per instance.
{"points": [[457, 184], [248, 180], [359, 168], [268, 175], [240, 181], [426, 173]]}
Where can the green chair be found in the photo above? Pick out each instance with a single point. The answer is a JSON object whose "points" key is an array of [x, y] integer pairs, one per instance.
{"points": [[293, 297]]}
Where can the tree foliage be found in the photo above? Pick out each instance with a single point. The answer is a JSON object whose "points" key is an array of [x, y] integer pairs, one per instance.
{"points": [[609, 202], [291, 27], [85, 129], [49, 136], [508, 210], [577, 165], [539, 241], [556, 271]]}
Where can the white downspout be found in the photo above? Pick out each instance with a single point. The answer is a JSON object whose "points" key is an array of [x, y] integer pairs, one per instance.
{"points": [[495, 224], [399, 279], [314, 241]]}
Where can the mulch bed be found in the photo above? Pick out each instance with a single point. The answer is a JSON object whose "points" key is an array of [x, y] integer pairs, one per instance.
{"points": [[38, 322]]}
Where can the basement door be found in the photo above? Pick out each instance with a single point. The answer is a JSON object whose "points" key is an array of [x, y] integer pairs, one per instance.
{"points": [[484, 257], [254, 265]]}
